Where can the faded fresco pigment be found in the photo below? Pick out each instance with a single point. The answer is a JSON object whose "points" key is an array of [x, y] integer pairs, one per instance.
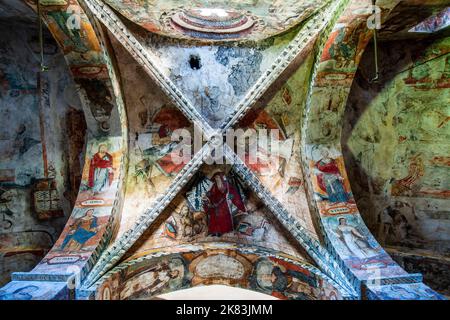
{"points": [[348, 199]]}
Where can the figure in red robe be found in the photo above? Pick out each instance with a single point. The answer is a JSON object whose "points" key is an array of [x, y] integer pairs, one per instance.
{"points": [[101, 170], [329, 179], [222, 201]]}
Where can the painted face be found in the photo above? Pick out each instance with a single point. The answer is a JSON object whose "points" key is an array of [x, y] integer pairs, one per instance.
{"points": [[174, 274], [219, 181], [102, 149], [90, 213], [184, 211]]}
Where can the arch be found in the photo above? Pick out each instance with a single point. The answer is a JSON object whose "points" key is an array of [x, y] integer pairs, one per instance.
{"points": [[98, 205], [256, 269], [366, 264], [99, 202], [133, 45]]}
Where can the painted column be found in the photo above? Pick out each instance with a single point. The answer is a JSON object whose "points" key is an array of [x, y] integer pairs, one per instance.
{"points": [[367, 265], [98, 205]]}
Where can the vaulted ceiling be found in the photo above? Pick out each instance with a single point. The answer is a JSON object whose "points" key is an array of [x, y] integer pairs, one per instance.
{"points": [[217, 20], [132, 25]]}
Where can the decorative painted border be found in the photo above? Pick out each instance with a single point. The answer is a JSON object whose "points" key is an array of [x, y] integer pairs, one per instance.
{"points": [[362, 280], [83, 53], [308, 33], [212, 247]]}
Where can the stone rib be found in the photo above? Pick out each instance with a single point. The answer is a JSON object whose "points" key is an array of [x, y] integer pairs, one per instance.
{"points": [[110, 20], [309, 31], [321, 256], [113, 254]]}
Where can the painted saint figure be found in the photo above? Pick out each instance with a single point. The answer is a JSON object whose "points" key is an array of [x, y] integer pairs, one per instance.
{"points": [[354, 241], [329, 179], [154, 280], [81, 231], [291, 284], [220, 202], [101, 170]]}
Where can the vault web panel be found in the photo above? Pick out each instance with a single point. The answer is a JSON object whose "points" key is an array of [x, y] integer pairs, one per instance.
{"points": [[217, 207], [215, 78]]}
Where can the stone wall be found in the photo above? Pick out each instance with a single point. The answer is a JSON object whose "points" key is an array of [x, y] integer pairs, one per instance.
{"points": [[41, 143], [396, 141]]}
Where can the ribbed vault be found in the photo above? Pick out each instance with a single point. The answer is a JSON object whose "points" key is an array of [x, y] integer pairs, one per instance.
{"points": [[147, 232]]}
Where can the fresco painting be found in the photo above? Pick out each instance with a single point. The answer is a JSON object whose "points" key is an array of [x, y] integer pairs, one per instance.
{"points": [[271, 275], [84, 224], [413, 291], [100, 174], [93, 215], [404, 200], [358, 248], [216, 206], [286, 281], [331, 187], [155, 147], [35, 195], [281, 173], [152, 120], [272, 16], [33, 290], [329, 183], [215, 78], [94, 91], [94, 151], [84, 230]]}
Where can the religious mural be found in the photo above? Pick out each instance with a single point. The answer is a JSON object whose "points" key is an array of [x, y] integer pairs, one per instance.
{"points": [[217, 206], [358, 247], [101, 173], [94, 91], [215, 78], [238, 19], [279, 169], [331, 188], [35, 171], [271, 275], [396, 153], [153, 119], [33, 290], [406, 292], [83, 227], [91, 216], [100, 177], [287, 225]]}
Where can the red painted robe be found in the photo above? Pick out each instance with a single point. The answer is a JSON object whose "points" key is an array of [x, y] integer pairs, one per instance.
{"points": [[330, 167], [220, 219], [98, 162], [166, 163], [330, 181]]}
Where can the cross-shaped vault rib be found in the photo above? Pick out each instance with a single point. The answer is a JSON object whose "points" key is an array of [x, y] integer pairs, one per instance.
{"points": [[110, 256], [322, 257], [307, 34], [113, 23], [113, 254]]}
